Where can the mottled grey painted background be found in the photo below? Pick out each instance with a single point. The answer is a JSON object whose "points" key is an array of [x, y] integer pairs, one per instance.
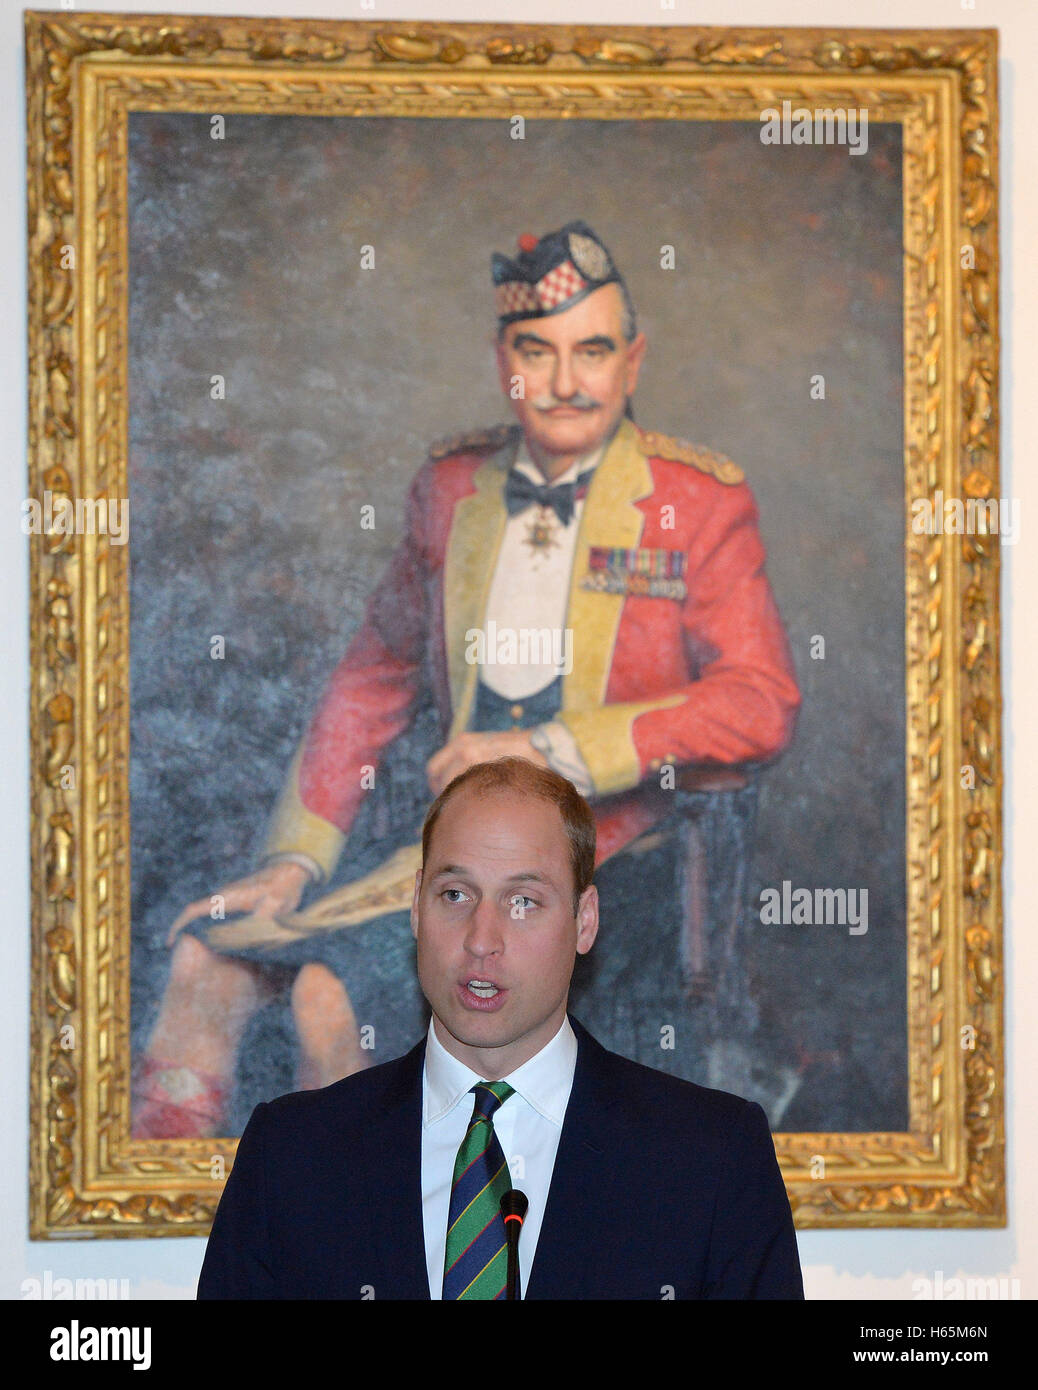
{"points": [[245, 262]]}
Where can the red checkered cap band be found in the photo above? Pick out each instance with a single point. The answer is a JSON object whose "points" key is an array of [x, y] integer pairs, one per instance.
{"points": [[516, 297], [560, 284]]}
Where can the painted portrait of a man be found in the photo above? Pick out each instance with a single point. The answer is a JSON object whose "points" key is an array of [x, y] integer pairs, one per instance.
{"points": [[571, 579], [616, 578]]}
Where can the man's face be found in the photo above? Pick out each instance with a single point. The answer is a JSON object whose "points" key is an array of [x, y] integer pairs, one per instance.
{"points": [[493, 918], [577, 371]]}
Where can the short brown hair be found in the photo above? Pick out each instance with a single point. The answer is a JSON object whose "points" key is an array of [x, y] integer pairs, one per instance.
{"points": [[521, 775]]}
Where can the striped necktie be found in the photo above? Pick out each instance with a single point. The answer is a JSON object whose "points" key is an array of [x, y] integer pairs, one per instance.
{"points": [[476, 1259]]}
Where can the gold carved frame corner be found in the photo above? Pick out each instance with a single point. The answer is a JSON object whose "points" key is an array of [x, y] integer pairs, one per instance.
{"points": [[85, 73]]}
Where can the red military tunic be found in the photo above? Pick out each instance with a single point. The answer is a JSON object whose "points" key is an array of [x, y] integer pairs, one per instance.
{"points": [[679, 654]]}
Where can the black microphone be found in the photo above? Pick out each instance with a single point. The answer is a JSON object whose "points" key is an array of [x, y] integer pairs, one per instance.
{"points": [[513, 1209]]}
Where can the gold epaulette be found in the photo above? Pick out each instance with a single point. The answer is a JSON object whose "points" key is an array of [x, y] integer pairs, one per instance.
{"points": [[474, 441], [665, 446]]}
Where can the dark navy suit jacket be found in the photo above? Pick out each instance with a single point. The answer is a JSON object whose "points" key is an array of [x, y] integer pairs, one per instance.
{"points": [[661, 1189]]}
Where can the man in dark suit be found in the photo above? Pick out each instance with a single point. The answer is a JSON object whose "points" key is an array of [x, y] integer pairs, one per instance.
{"points": [[388, 1183]]}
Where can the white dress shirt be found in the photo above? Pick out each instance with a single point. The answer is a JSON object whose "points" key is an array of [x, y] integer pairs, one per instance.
{"points": [[530, 585], [528, 1126], [529, 590]]}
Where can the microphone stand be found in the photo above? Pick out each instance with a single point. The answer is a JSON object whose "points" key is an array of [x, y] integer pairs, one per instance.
{"points": [[513, 1208]]}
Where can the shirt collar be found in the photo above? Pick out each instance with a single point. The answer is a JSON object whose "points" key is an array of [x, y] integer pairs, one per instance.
{"points": [[525, 464], [544, 1081]]}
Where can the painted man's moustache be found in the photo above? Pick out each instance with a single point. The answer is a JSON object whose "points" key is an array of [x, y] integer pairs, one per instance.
{"points": [[577, 403]]}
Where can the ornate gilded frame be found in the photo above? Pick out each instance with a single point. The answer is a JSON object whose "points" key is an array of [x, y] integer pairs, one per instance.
{"points": [[84, 73]]}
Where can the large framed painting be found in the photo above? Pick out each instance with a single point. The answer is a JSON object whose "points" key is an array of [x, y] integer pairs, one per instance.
{"points": [[404, 396]]}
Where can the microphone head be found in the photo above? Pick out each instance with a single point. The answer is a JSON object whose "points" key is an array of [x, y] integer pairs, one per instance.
{"points": [[513, 1206]]}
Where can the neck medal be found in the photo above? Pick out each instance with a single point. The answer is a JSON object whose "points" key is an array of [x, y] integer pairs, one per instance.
{"points": [[540, 533]]}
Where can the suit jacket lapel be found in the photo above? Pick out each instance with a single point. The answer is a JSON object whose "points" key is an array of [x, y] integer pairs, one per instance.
{"points": [[393, 1156], [477, 527], [583, 1180], [610, 519]]}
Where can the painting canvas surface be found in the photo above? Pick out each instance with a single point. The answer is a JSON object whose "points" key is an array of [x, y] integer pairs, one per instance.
{"points": [[774, 337]]}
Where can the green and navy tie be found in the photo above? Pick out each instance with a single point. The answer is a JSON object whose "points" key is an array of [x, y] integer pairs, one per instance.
{"points": [[476, 1260]]}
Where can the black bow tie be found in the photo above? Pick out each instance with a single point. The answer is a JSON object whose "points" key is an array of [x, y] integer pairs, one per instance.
{"points": [[521, 492]]}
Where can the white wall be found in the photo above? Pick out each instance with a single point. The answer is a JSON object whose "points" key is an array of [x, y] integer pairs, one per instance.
{"points": [[849, 1264]]}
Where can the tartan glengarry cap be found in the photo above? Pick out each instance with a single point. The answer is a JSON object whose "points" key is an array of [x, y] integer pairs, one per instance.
{"points": [[551, 274]]}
